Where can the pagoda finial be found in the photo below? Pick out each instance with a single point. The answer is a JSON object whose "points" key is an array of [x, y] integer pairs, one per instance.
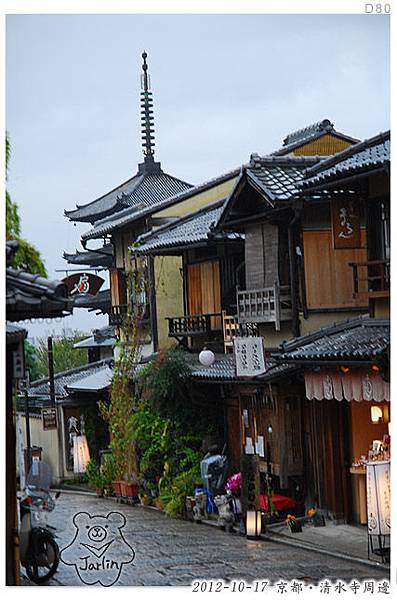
{"points": [[147, 118]]}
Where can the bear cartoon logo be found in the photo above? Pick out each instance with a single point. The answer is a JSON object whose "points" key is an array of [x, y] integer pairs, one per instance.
{"points": [[98, 550]]}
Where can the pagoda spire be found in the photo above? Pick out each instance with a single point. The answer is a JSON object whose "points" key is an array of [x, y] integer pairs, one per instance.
{"points": [[147, 118]]}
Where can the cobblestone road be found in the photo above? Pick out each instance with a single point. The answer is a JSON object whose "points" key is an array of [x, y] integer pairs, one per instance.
{"points": [[173, 552]]}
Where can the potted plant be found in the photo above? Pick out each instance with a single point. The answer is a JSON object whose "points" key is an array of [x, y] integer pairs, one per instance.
{"points": [[110, 473], [95, 478], [294, 525], [315, 517]]}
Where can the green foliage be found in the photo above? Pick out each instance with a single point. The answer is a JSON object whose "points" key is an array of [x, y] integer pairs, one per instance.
{"points": [[100, 477], [65, 356], [173, 495], [168, 431], [31, 361], [119, 411], [27, 256], [93, 475]]}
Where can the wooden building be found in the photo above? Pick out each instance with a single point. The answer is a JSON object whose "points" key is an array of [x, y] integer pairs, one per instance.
{"points": [[28, 296], [302, 251]]}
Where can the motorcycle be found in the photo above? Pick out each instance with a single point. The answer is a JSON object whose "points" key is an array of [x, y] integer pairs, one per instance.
{"points": [[39, 552]]}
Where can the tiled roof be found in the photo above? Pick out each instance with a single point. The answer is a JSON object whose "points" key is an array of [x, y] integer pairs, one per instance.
{"points": [[32, 296], [361, 339], [14, 333], [309, 134], [100, 338], [223, 370], [363, 157], [191, 229], [133, 213], [277, 178], [102, 257], [74, 378], [101, 301], [143, 190]]}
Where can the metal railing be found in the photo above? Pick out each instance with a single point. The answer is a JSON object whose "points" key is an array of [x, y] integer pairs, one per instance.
{"points": [[270, 304]]}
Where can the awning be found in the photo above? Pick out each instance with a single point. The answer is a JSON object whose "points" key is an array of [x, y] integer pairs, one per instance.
{"points": [[358, 384]]}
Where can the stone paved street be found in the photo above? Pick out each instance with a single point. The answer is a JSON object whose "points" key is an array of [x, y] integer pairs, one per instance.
{"points": [[174, 552]]}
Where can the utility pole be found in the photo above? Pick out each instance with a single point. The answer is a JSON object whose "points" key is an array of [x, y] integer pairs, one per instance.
{"points": [[27, 426], [50, 354]]}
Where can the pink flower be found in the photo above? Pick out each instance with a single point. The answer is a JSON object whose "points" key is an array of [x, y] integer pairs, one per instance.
{"points": [[233, 483]]}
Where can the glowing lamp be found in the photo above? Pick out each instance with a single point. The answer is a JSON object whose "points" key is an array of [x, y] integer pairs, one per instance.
{"points": [[206, 357], [81, 454], [345, 369], [254, 524], [376, 414]]}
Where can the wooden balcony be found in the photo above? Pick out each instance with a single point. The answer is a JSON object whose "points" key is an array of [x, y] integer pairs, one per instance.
{"points": [[371, 279], [208, 325], [266, 305]]}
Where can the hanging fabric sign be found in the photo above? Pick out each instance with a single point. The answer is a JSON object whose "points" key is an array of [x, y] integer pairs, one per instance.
{"points": [[249, 356], [356, 385], [378, 497]]}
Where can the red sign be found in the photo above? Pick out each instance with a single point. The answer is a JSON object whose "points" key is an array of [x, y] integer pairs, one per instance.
{"points": [[83, 283]]}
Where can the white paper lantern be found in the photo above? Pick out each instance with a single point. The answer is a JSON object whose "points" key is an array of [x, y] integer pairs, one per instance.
{"points": [[81, 454], [254, 524], [206, 357]]}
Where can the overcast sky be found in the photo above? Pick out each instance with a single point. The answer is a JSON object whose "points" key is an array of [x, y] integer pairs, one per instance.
{"points": [[224, 86]]}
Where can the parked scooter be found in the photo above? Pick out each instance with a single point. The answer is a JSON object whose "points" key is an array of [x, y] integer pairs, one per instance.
{"points": [[39, 552]]}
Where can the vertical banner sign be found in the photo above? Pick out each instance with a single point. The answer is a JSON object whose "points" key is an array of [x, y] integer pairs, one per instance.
{"points": [[20, 447], [249, 356], [378, 497], [250, 485], [345, 223]]}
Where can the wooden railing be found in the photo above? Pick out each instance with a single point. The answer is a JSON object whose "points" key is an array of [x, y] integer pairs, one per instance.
{"points": [[371, 279], [266, 305], [193, 325]]}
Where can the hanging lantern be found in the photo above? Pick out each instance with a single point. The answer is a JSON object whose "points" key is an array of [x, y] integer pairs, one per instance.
{"points": [[254, 524], [206, 357], [81, 454]]}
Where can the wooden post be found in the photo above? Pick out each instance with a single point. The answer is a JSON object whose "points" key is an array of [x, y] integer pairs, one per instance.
{"points": [[53, 404]]}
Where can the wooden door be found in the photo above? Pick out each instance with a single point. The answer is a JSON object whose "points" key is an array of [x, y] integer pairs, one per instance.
{"points": [[328, 276], [325, 438], [204, 290]]}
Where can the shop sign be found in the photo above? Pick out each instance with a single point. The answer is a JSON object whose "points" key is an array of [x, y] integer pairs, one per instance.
{"points": [[49, 418], [18, 362], [249, 356], [345, 223], [250, 482], [378, 497], [83, 283]]}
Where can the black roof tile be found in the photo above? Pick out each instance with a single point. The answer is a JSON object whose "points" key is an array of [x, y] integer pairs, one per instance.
{"points": [[361, 339], [360, 158], [193, 228]]}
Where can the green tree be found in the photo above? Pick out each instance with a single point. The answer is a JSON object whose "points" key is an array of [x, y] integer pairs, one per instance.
{"points": [[31, 361], [27, 257], [65, 356]]}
